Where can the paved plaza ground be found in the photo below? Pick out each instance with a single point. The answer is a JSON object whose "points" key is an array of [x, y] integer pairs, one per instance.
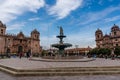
{"points": [[25, 63]]}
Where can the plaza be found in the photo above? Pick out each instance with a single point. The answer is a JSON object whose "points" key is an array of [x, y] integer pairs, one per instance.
{"points": [[24, 68], [59, 40]]}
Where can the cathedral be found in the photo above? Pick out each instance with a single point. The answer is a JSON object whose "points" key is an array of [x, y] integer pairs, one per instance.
{"points": [[110, 40], [19, 43]]}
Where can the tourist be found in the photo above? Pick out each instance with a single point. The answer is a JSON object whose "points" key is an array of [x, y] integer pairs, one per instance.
{"points": [[27, 54], [20, 55], [113, 56], [106, 56]]}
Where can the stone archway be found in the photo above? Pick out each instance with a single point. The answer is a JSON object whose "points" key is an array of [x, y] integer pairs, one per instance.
{"points": [[8, 52], [20, 49]]}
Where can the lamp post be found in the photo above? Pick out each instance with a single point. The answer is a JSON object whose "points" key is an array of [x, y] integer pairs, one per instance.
{"points": [[113, 54], [76, 46]]}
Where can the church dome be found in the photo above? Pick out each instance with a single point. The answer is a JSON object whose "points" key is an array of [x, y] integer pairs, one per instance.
{"points": [[20, 34], [106, 35], [98, 31], [2, 25], [115, 28], [35, 32]]}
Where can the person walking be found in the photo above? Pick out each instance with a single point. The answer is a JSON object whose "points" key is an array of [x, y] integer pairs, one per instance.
{"points": [[20, 55]]}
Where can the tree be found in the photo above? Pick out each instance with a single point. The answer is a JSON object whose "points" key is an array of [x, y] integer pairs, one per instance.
{"points": [[117, 50], [104, 51], [44, 52], [93, 51]]}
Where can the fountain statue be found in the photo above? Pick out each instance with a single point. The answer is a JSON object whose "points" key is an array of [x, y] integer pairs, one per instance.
{"points": [[61, 46]]}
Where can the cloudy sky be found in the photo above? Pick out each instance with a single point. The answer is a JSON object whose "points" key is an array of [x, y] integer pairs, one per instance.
{"points": [[79, 18]]}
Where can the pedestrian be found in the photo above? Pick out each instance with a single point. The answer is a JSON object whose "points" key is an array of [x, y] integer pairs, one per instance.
{"points": [[20, 55], [28, 54], [113, 56], [106, 56]]}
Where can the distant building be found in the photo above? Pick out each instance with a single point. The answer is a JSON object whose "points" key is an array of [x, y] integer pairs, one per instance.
{"points": [[18, 43], [72, 51], [108, 40], [78, 51]]}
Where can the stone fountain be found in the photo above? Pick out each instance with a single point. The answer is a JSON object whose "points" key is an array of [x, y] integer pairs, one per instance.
{"points": [[61, 46], [60, 56]]}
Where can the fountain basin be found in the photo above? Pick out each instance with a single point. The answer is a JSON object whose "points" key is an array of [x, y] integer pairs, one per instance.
{"points": [[65, 45], [63, 60]]}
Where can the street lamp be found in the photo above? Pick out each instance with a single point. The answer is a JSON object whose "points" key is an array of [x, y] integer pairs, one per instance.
{"points": [[76, 46]]}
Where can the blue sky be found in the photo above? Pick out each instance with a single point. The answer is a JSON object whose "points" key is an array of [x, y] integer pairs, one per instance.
{"points": [[79, 19]]}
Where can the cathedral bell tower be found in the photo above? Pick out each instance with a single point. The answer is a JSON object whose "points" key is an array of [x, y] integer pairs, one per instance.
{"points": [[35, 41], [98, 34], [35, 34], [98, 37], [2, 28], [115, 31]]}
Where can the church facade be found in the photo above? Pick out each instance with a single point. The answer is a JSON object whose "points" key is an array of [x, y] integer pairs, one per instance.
{"points": [[110, 40], [18, 43]]}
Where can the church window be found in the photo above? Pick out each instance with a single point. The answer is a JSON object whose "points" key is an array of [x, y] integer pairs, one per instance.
{"points": [[1, 31], [116, 44], [20, 41], [98, 36], [35, 36], [114, 33]]}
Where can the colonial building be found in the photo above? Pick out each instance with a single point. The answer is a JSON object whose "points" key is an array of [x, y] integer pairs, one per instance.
{"points": [[19, 42], [73, 51], [78, 51], [108, 41]]}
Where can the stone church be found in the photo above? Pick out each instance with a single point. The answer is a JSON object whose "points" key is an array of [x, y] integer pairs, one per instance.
{"points": [[18, 43], [110, 40]]}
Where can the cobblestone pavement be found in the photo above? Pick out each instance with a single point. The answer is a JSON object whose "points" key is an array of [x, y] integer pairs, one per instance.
{"points": [[25, 63], [4, 76]]}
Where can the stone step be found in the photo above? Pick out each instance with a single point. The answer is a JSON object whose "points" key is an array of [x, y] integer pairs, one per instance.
{"points": [[7, 70], [65, 73], [62, 71], [68, 70]]}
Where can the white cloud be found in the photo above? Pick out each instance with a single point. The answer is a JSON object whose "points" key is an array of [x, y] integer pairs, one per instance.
{"points": [[34, 19], [16, 26], [112, 19], [95, 16], [62, 8], [10, 9], [83, 40], [46, 41]]}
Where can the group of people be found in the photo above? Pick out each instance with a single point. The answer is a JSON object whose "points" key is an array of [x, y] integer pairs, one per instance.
{"points": [[21, 54]]}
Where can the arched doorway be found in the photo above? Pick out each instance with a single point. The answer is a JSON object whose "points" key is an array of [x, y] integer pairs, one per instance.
{"points": [[8, 52], [20, 49]]}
